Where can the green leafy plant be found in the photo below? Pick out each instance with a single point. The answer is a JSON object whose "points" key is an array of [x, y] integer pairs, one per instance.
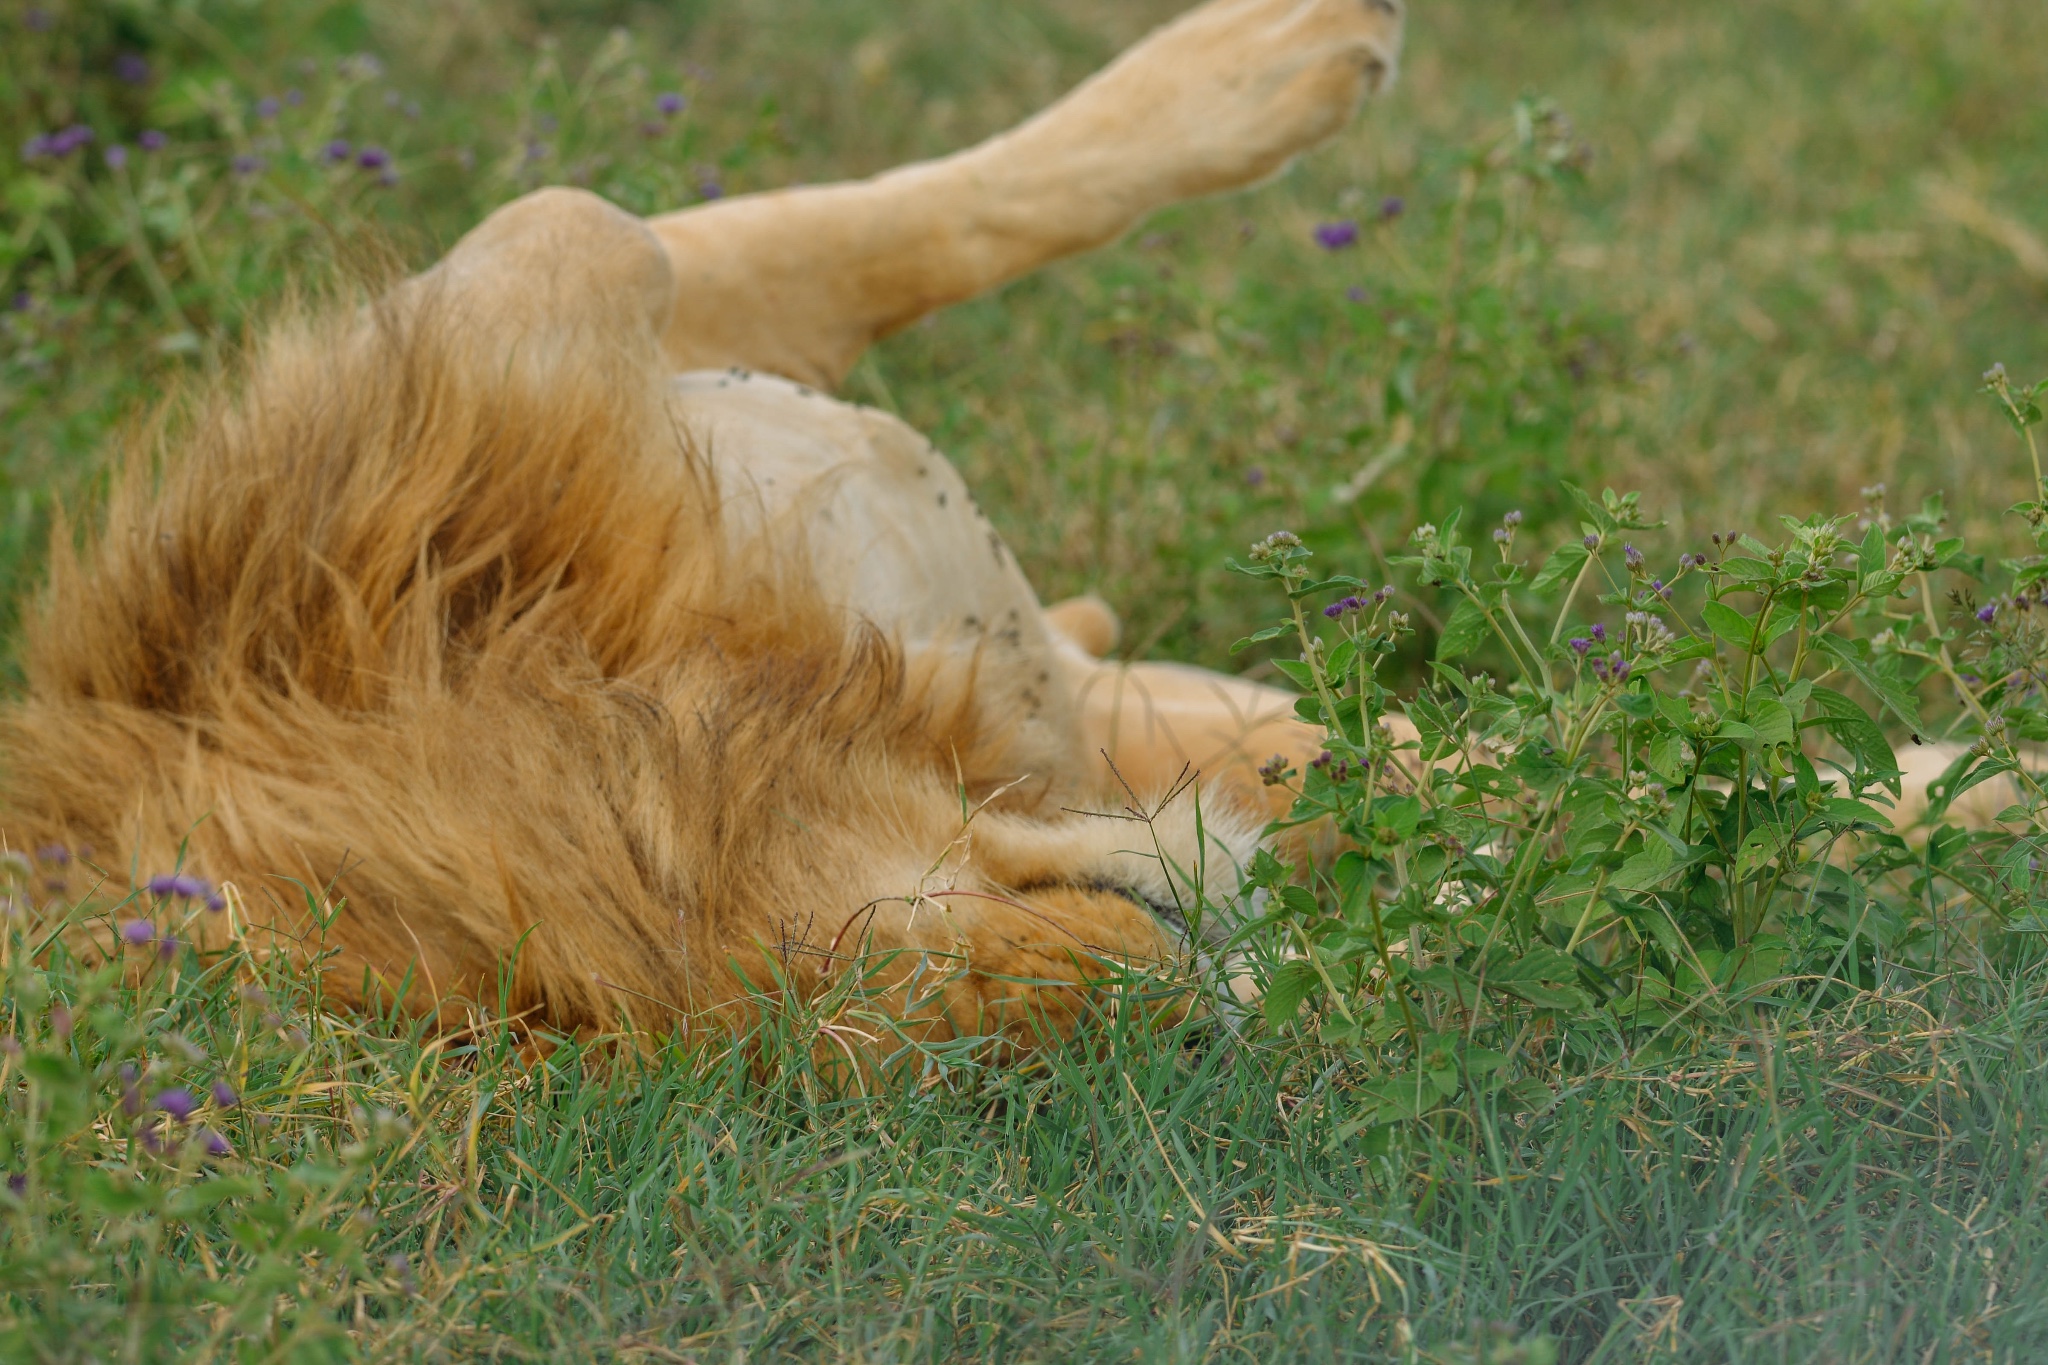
{"points": [[1670, 800]]}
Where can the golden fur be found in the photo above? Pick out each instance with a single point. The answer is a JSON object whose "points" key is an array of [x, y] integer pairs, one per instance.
{"points": [[463, 642], [440, 615]]}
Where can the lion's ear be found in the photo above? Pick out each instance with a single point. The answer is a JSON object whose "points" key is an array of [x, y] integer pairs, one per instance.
{"points": [[1087, 623]]}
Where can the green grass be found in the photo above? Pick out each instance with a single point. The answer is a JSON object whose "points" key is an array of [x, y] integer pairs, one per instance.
{"points": [[1866, 1186], [1802, 235]]}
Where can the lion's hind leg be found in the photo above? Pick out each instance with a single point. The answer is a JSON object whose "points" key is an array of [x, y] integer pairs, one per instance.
{"points": [[799, 282]]}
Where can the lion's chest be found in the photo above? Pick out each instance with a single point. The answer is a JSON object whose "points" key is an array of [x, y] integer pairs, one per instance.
{"points": [[886, 524]]}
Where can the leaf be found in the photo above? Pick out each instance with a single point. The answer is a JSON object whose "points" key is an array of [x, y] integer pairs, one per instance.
{"points": [[1297, 673], [1563, 564], [1551, 997], [1526, 1096], [1667, 757], [1855, 657], [1400, 814], [102, 1193], [1539, 962], [1841, 808], [1463, 632], [1645, 869], [1759, 849], [1293, 982], [1854, 730], [52, 1069], [1771, 720], [1983, 772], [1480, 1061], [1870, 557], [1728, 623], [1273, 632], [1405, 1095], [1436, 727], [1593, 510]]}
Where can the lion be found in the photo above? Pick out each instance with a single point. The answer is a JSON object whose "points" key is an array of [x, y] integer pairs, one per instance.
{"points": [[545, 629]]}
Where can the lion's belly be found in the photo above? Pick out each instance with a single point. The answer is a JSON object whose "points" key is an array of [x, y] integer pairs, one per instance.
{"points": [[891, 534]]}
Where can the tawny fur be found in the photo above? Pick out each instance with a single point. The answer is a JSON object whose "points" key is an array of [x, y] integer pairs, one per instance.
{"points": [[438, 617], [461, 645]]}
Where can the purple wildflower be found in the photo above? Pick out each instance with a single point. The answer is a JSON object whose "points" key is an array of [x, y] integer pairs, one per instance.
{"points": [[1500, 535], [167, 947], [216, 902], [224, 1095], [1337, 235], [116, 155], [181, 885], [1600, 633], [267, 107], [1657, 586], [138, 932], [131, 1094], [373, 158], [1591, 542], [669, 103], [131, 69], [1619, 666], [150, 140], [337, 150], [1392, 207], [215, 1144], [1600, 669], [709, 188], [53, 853], [1986, 612], [1512, 519], [1580, 644], [1255, 477], [248, 163], [1334, 610], [177, 1102], [17, 1184], [1356, 293], [1631, 556]]}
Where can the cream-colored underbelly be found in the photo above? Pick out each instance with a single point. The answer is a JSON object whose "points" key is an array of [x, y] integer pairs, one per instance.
{"points": [[887, 530]]}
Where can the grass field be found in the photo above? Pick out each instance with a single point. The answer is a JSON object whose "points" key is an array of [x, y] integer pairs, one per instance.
{"points": [[1781, 243]]}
